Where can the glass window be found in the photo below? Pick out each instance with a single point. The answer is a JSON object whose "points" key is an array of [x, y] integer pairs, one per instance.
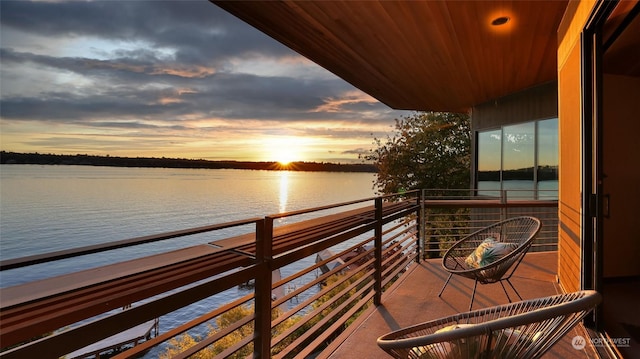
{"points": [[489, 162], [521, 159], [518, 159], [547, 176]]}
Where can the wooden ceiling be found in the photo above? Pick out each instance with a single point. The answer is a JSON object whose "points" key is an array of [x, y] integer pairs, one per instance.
{"points": [[418, 55]]}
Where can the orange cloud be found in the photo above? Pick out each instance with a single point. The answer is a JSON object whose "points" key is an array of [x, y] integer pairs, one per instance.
{"points": [[338, 104]]}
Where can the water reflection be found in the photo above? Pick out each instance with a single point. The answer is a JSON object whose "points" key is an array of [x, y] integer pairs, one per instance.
{"points": [[284, 190]]}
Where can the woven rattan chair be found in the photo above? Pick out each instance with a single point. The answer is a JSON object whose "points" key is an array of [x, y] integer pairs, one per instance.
{"points": [[525, 329], [516, 234]]}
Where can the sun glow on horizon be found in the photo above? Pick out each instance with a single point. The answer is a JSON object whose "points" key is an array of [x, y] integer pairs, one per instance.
{"points": [[285, 159], [285, 150]]}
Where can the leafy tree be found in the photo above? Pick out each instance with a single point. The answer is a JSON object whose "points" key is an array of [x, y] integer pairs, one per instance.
{"points": [[428, 150], [185, 341], [179, 344]]}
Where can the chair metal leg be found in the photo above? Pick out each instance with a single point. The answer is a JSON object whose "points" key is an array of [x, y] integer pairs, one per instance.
{"points": [[505, 291], [473, 294], [445, 284], [514, 288]]}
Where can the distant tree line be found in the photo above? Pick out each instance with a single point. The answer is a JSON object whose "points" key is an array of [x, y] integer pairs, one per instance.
{"points": [[90, 160], [545, 173]]}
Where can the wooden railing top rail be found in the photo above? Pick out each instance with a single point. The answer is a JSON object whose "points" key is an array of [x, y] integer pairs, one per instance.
{"points": [[80, 251]]}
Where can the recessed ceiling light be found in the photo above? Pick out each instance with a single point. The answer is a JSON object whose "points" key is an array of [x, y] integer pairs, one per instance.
{"points": [[500, 20]]}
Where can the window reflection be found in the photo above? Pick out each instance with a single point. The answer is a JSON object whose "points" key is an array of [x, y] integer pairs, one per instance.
{"points": [[522, 159], [547, 176], [489, 162], [518, 159]]}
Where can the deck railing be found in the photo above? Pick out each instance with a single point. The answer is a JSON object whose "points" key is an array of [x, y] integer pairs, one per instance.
{"points": [[452, 214], [310, 274], [374, 243]]}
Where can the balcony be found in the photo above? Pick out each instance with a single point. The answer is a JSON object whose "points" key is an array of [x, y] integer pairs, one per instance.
{"points": [[414, 299], [364, 275]]}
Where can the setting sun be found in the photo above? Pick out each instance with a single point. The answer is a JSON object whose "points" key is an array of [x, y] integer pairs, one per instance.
{"points": [[284, 157], [285, 150]]}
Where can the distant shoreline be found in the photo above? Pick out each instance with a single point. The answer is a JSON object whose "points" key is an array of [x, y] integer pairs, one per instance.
{"points": [[109, 161]]}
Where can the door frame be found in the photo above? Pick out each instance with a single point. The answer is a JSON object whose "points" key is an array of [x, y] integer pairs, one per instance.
{"points": [[592, 155], [594, 46]]}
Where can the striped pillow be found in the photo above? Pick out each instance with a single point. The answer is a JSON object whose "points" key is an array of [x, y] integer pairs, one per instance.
{"points": [[489, 251]]}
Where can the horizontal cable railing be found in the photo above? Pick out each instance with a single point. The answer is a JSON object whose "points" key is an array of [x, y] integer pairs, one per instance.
{"points": [[449, 215], [300, 284], [295, 312]]}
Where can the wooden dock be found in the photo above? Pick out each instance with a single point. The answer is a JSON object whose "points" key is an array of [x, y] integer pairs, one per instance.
{"points": [[119, 342]]}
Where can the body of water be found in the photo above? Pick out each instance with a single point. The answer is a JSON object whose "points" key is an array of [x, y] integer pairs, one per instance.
{"points": [[50, 208]]}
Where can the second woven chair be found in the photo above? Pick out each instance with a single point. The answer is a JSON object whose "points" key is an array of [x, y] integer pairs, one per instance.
{"points": [[522, 330], [491, 254]]}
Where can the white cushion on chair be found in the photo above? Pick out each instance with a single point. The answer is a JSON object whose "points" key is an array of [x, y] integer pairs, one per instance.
{"points": [[489, 251], [444, 349]]}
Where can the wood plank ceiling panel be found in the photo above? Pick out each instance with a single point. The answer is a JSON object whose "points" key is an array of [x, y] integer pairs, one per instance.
{"points": [[421, 55]]}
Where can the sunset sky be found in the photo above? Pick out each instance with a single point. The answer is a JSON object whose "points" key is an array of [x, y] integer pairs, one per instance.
{"points": [[174, 79]]}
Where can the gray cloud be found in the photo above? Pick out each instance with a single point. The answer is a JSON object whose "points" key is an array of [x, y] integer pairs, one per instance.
{"points": [[236, 95], [357, 151], [160, 66], [198, 30]]}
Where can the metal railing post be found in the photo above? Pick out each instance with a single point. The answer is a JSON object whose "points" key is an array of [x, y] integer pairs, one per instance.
{"points": [[503, 201], [262, 326], [420, 223], [377, 286]]}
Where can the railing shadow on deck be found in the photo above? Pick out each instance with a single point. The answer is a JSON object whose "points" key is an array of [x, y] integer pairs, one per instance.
{"points": [[352, 255]]}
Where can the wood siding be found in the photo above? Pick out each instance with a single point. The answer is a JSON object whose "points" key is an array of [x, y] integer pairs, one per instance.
{"points": [[537, 103], [570, 149], [570, 183]]}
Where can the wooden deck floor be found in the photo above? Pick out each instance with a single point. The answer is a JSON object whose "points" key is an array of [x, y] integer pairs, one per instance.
{"points": [[416, 300]]}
